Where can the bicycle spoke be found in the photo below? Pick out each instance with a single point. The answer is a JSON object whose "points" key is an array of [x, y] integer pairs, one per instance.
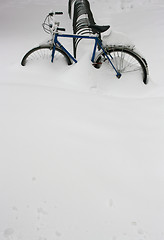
{"points": [[125, 61], [44, 54]]}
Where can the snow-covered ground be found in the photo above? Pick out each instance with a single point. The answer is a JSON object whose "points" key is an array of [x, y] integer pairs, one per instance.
{"points": [[81, 155]]}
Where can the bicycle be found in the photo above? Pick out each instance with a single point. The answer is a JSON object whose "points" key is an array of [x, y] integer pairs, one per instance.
{"points": [[121, 59]]}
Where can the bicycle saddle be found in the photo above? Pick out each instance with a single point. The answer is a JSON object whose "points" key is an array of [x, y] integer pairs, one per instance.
{"points": [[99, 29]]}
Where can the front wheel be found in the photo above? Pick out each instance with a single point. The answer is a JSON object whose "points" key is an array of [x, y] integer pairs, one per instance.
{"points": [[126, 61], [44, 54]]}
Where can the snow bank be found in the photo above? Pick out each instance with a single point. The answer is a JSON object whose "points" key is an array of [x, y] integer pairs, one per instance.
{"points": [[117, 38]]}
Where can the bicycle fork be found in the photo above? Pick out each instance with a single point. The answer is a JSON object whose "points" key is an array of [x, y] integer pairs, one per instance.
{"points": [[54, 47]]}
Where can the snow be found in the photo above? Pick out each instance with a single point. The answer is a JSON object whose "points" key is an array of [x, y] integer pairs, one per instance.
{"points": [[114, 38], [81, 153]]}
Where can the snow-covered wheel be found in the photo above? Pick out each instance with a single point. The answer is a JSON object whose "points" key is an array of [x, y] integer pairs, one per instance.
{"points": [[44, 53], [126, 62]]}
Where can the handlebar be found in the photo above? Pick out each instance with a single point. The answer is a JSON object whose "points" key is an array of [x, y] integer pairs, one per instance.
{"points": [[55, 13], [58, 13], [50, 25], [61, 29]]}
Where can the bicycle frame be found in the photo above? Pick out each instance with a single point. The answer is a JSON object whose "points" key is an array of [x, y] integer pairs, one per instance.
{"points": [[97, 43]]}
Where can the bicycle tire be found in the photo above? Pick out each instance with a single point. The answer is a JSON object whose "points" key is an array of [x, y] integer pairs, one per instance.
{"points": [[43, 52], [125, 60]]}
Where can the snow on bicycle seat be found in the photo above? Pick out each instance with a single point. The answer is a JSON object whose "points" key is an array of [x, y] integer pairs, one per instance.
{"points": [[99, 29]]}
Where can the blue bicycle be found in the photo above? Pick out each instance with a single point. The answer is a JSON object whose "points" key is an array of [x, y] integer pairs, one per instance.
{"points": [[121, 60]]}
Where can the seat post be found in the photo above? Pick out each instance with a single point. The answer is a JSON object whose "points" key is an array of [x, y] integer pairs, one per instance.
{"points": [[99, 37]]}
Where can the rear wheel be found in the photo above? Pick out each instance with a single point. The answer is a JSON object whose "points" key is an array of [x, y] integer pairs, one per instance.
{"points": [[44, 53], [126, 62]]}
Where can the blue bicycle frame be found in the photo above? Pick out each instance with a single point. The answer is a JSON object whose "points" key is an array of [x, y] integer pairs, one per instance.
{"points": [[97, 42]]}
